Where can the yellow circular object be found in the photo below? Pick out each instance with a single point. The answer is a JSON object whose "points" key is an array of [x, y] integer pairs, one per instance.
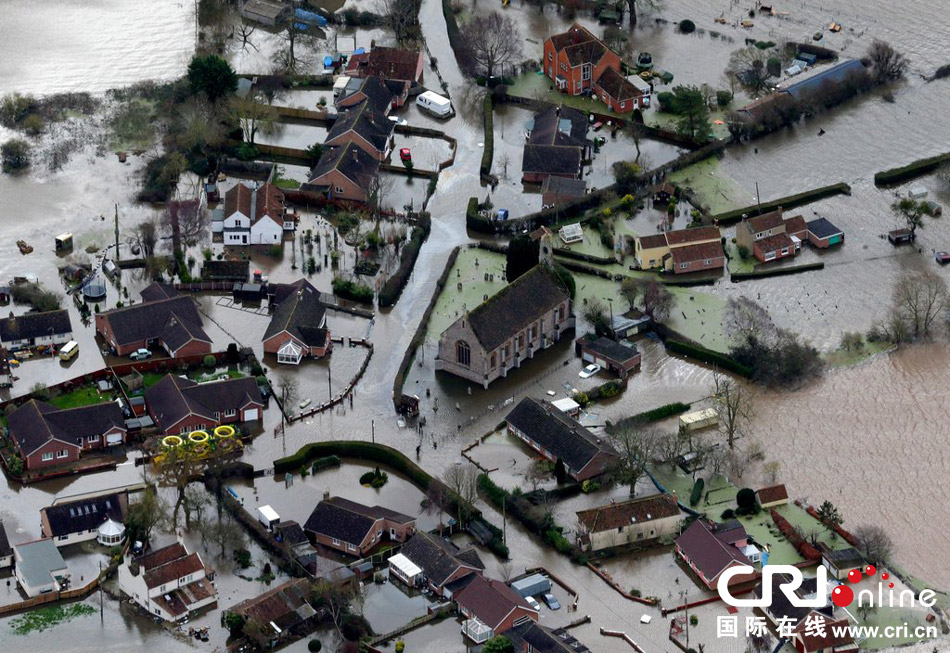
{"points": [[201, 449], [171, 441], [224, 431], [646, 74], [198, 436]]}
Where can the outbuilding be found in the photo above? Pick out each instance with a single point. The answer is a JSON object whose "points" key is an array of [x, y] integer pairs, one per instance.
{"points": [[699, 419], [622, 360], [405, 570]]}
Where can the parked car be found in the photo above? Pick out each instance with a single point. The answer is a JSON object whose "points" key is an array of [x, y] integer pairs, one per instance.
{"points": [[140, 354], [589, 371], [533, 602], [551, 601], [405, 154], [402, 122]]}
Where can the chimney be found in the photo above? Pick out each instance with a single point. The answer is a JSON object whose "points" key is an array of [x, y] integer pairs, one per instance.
{"points": [[253, 203]]}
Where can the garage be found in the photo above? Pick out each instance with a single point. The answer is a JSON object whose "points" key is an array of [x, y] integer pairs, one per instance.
{"points": [[114, 438], [252, 415]]}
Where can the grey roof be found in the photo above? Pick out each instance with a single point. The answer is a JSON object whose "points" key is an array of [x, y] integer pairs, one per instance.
{"points": [[301, 314], [174, 320], [363, 119], [34, 325], [225, 270], [349, 521], [156, 291], [85, 514], [35, 423], [708, 553], [781, 607], [564, 186], [841, 558], [38, 561], [610, 349], [556, 432], [551, 159], [542, 639], [174, 398], [376, 91], [350, 160], [5, 548], [834, 75], [822, 228], [560, 126], [516, 306], [437, 557]]}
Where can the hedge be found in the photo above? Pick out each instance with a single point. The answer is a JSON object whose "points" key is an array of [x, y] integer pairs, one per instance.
{"points": [[649, 416], [392, 289], [580, 256], [463, 54], [351, 290], [324, 463], [488, 151], [790, 202], [911, 170], [708, 356], [776, 272]]}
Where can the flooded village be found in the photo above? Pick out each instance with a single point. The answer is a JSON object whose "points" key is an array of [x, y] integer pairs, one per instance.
{"points": [[496, 326]]}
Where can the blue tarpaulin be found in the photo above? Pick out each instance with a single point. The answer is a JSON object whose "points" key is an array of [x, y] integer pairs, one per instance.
{"points": [[310, 17], [328, 62], [360, 51]]}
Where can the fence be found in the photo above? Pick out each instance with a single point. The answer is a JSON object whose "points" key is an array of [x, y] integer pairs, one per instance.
{"points": [[206, 286], [338, 399], [51, 597]]}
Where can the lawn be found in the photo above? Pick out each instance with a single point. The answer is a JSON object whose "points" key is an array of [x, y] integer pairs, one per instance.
{"points": [[538, 86], [894, 617], [87, 395], [712, 186], [843, 358], [736, 262]]}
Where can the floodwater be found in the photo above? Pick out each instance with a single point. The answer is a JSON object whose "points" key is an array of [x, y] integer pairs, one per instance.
{"points": [[866, 437]]}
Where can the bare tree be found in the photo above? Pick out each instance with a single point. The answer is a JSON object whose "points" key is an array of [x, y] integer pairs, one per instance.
{"points": [[716, 459], [380, 187], [759, 642], [224, 533], [874, 542], [749, 66], [636, 446], [289, 388], [506, 571], [538, 473], [253, 115], [887, 62], [147, 237], [402, 16], [747, 320], [642, 5], [919, 299], [245, 32], [462, 479], [733, 407], [669, 447], [771, 470], [656, 299], [493, 40]]}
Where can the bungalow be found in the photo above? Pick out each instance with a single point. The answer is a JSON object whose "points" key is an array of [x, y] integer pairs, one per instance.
{"points": [[356, 529], [179, 405], [711, 549], [6, 551], [39, 568], [823, 234], [442, 563], [557, 190], [164, 318], [627, 522], [169, 583], [557, 436], [387, 63], [280, 613], [840, 562], [365, 127], [770, 237], [46, 436], [697, 258], [622, 360], [70, 522], [557, 145], [681, 251], [575, 58], [253, 215], [901, 236], [617, 92], [298, 326], [526, 316], [774, 495], [491, 608], [35, 330], [344, 172], [381, 94]]}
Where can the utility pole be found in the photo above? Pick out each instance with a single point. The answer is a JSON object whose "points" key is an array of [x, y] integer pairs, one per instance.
{"points": [[117, 232], [504, 521], [372, 423], [686, 606], [102, 618], [758, 201]]}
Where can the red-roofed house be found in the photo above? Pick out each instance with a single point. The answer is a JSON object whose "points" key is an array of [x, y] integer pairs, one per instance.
{"points": [[769, 237], [169, 583], [387, 63], [254, 216], [775, 495], [709, 551], [626, 522], [819, 633], [681, 251], [491, 608], [617, 92], [576, 58]]}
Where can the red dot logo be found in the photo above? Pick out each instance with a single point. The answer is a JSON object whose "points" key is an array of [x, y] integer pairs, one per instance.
{"points": [[842, 596], [854, 576], [870, 570], [885, 575]]}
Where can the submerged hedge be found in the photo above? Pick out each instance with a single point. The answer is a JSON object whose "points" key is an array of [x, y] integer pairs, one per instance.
{"points": [[708, 356], [489, 149], [776, 272], [911, 170], [392, 289], [790, 202]]}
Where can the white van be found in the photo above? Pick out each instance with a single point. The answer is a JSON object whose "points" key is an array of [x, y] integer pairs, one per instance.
{"points": [[69, 350], [440, 107]]}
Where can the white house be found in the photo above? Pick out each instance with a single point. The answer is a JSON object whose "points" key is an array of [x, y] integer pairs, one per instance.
{"points": [[35, 330], [6, 551], [81, 520], [169, 583], [255, 215], [39, 567]]}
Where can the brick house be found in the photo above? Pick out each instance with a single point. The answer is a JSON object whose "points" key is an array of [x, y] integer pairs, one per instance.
{"points": [[558, 436], [770, 237], [710, 550], [364, 126], [557, 145], [443, 564], [697, 258], [620, 359], [72, 521], [491, 603], [164, 319], [282, 613], [298, 326], [344, 172], [382, 94], [528, 315], [627, 522], [47, 437], [618, 93], [355, 529], [387, 63], [170, 582], [575, 58], [681, 251], [35, 329], [179, 405], [557, 190]]}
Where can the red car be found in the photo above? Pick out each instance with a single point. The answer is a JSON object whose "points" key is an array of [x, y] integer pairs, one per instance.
{"points": [[405, 154]]}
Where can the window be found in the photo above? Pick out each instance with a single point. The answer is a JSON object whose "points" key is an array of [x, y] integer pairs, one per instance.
{"points": [[338, 189], [336, 542], [62, 453], [550, 56], [351, 547], [494, 360], [61, 537], [620, 529], [217, 416], [92, 438], [563, 66], [521, 341], [534, 331], [230, 412], [785, 251], [708, 261], [639, 536], [585, 72], [623, 105], [463, 353], [506, 353], [683, 266], [46, 457]]}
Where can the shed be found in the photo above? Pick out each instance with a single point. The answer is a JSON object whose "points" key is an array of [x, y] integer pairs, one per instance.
{"points": [[568, 406], [900, 236], [64, 242], [111, 269], [917, 193], [532, 585], [405, 570], [268, 517], [699, 419]]}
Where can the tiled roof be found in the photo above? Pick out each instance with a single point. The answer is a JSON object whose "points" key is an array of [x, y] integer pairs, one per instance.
{"points": [[560, 125], [774, 243], [84, 514], [843, 558], [157, 319], [699, 252], [835, 633], [708, 553], [551, 160], [364, 120], [652, 242], [35, 423], [764, 222], [833, 76], [34, 325], [225, 270], [377, 92], [161, 556], [781, 606], [284, 606], [255, 203], [302, 314], [542, 639], [173, 570], [389, 63], [516, 306], [490, 601], [795, 225], [565, 186], [557, 433], [610, 349], [350, 160], [617, 86], [437, 558], [349, 521], [624, 513], [692, 235], [580, 44], [772, 493], [174, 398], [822, 228]]}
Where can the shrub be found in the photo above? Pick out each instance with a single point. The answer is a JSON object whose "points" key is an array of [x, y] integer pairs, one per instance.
{"points": [[375, 478], [488, 151], [209, 361], [15, 464], [589, 486], [324, 463], [400, 646], [666, 100], [728, 513], [687, 26], [693, 620], [314, 645], [389, 293], [243, 558], [247, 152], [745, 500], [15, 155], [697, 492], [723, 98], [352, 290], [708, 356]]}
